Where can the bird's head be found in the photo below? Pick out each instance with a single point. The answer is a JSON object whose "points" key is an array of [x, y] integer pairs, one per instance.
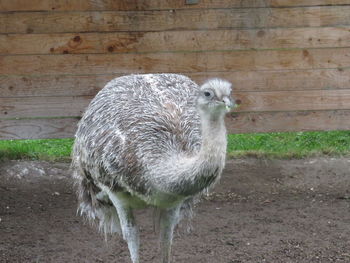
{"points": [[215, 97]]}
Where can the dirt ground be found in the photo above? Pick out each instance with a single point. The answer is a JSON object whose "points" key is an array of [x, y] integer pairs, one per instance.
{"points": [[262, 211]]}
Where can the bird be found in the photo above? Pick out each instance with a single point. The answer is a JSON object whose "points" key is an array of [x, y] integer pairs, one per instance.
{"points": [[149, 140]]}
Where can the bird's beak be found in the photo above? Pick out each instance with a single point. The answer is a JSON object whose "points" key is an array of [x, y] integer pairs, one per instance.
{"points": [[229, 103]]}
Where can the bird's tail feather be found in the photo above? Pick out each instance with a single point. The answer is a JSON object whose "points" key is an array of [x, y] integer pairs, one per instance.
{"points": [[94, 205]]}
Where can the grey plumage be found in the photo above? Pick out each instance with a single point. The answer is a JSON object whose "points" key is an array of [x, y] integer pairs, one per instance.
{"points": [[149, 140]]}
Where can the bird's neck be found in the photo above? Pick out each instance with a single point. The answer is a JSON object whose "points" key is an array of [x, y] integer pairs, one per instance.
{"points": [[209, 162], [190, 175], [214, 141]]}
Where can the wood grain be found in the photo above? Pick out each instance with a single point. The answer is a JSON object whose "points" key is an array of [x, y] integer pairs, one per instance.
{"points": [[170, 41], [293, 100], [89, 85], [52, 85], [183, 19], [176, 62], [37, 128], [288, 121], [28, 107], [98, 5]]}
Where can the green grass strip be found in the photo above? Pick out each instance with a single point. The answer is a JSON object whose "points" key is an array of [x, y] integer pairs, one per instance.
{"points": [[265, 145], [48, 149], [289, 144]]}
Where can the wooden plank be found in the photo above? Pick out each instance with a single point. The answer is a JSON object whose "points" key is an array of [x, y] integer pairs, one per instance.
{"points": [[235, 123], [52, 85], [89, 85], [244, 81], [37, 128], [117, 42], [95, 5], [288, 121], [189, 19], [27, 107], [176, 62], [293, 100]]}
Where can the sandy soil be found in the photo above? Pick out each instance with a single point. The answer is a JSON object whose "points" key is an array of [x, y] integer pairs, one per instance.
{"points": [[262, 211]]}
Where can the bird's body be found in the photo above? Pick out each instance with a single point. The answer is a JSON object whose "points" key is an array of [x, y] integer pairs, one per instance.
{"points": [[145, 141]]}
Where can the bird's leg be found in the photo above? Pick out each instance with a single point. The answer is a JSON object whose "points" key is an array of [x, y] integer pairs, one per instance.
{"points": [[128, 225], [168, 220]]}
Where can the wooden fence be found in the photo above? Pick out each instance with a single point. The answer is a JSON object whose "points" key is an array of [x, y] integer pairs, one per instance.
{"points": [[289, 60]]}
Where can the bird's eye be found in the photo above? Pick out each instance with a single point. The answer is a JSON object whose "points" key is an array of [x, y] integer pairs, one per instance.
{"points": [[207, 94]]}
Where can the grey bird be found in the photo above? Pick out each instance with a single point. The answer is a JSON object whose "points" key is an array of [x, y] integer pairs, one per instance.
{"points": [[149, 140]]}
